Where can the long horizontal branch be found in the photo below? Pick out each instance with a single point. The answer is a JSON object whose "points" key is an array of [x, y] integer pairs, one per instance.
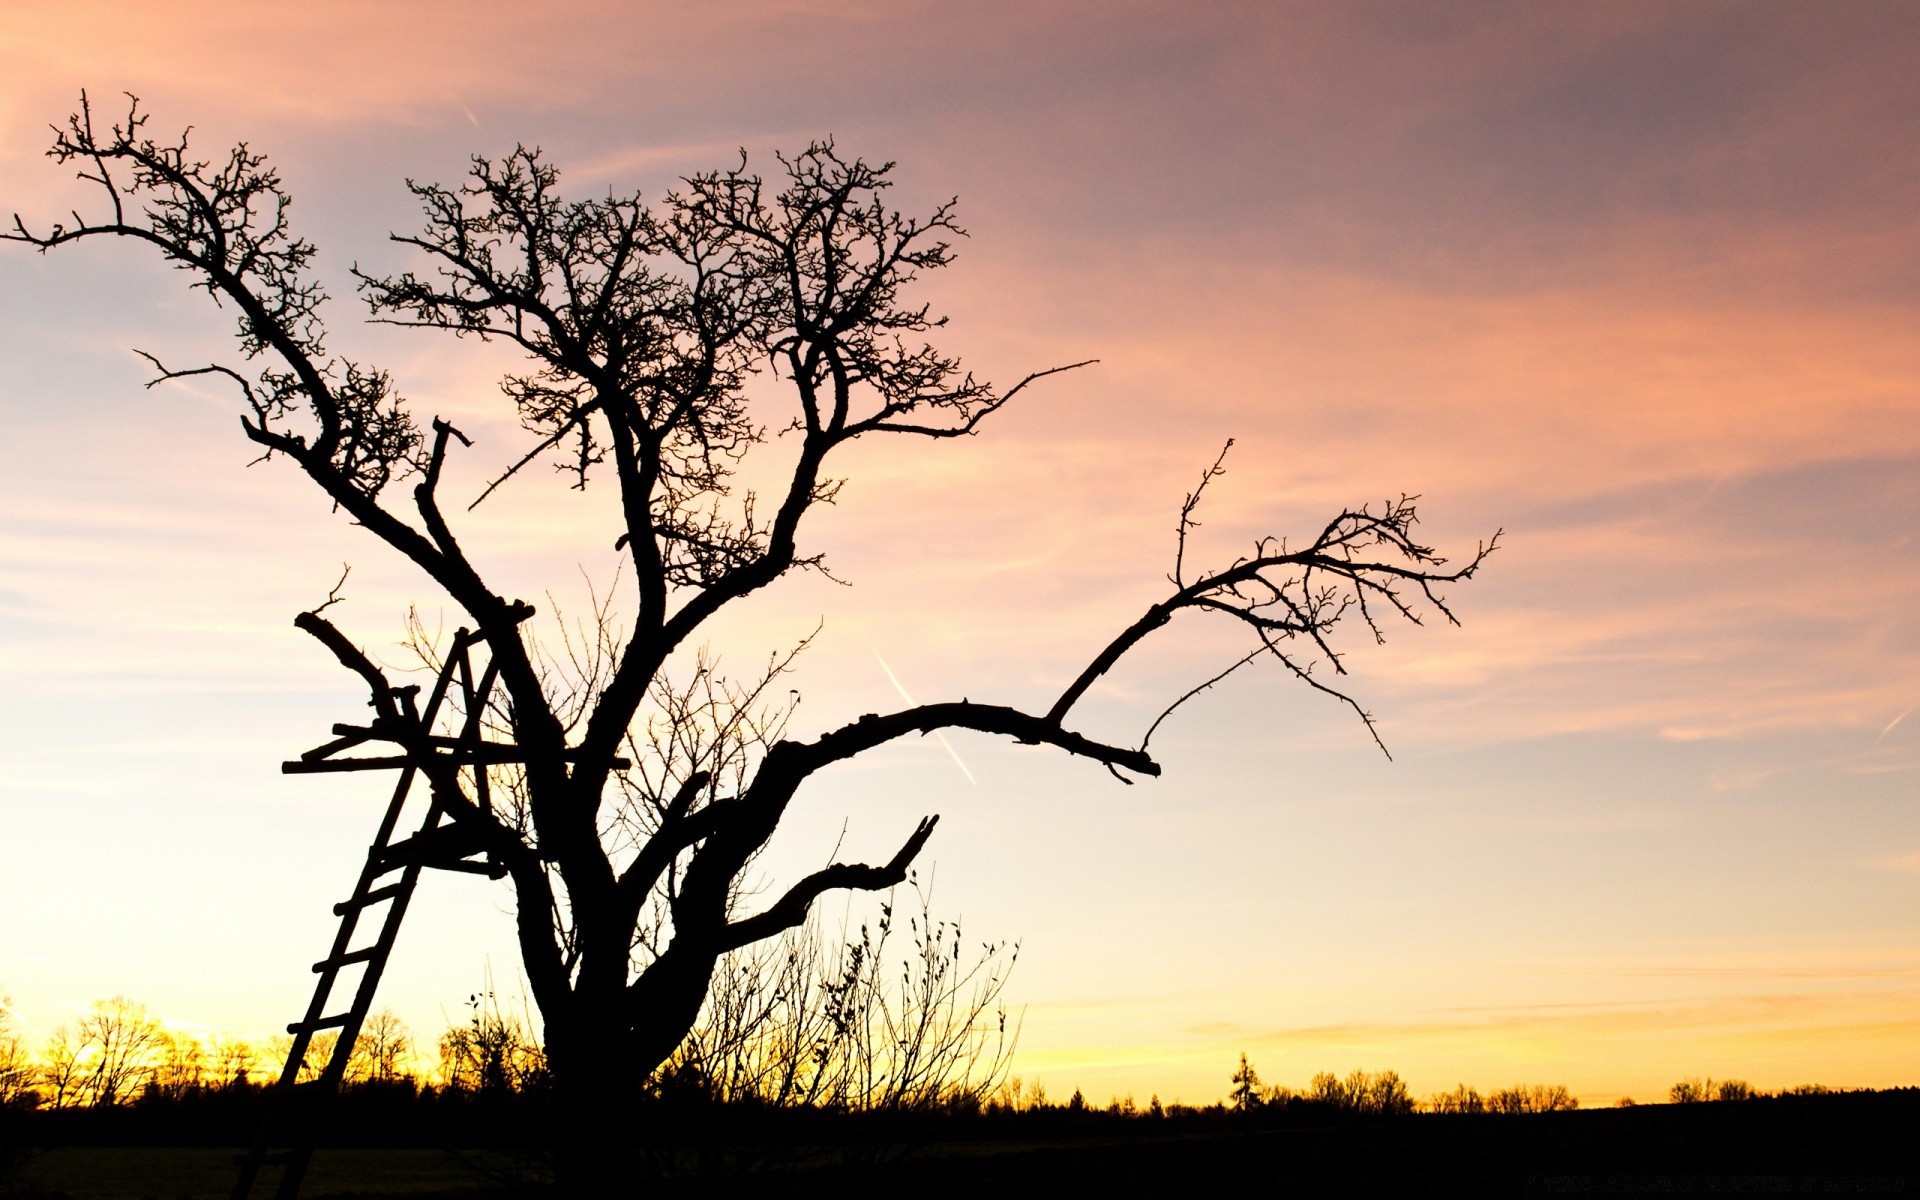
{"points": [[873, 730]]}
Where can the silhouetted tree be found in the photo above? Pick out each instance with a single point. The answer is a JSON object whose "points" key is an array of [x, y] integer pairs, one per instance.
{"points": [[383, 1053], [118, 1049], [231, 1061], [61, 1070], [182, 1067], [1362, 1092], [1246, 1094], [1461, 1099], [17, 1072], [643, 326], [1537, 1098], [1696, 1091]]}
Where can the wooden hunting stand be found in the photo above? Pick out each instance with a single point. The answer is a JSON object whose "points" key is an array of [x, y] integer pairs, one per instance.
{"points": [[439, 840]]}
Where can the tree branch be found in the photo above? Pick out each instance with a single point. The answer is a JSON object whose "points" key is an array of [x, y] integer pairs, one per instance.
{"points": [[791, 909], [873, 730], [355, 660]]}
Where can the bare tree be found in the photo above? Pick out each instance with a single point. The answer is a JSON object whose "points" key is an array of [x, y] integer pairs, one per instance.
{"points": [[1461, 1100], [643, 326], [231, 1061], [1361, 1092], [182, 1067], [1532, 1098], [383, 1053], [17, 1072], [118, 1049], [62, 1070]]}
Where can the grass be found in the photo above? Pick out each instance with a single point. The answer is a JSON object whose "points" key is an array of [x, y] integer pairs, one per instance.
{"points": [[201, 1173]]}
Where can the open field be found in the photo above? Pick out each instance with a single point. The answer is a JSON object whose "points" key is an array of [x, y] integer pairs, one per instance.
{"points": [[1841, 1145]]}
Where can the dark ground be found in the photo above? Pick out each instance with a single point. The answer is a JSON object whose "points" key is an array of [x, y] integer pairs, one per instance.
{"points": [[1832, 1147], [1866, 1144]]}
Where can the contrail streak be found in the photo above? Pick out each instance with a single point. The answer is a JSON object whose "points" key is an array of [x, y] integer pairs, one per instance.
{"points": [[901, 688], [1883, 733]]}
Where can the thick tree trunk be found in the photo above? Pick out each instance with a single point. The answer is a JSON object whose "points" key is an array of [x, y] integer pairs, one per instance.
{"points": [[600, 1060], [596, 1092]]}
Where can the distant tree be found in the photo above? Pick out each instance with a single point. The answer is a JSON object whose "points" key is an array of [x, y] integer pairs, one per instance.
{"points": [[644, 329], [1362, 1092], [1461, 1099], [61, 1069], [1538, 1098], [1697, 1091], [1246, 1095], [231, 1061], [1015, 1095], [182, 1067], [111, 1054], [18, 1074], [383, 1053]]}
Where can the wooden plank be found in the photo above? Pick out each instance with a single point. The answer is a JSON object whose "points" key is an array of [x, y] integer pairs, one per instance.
{"points": [[490, 756]]}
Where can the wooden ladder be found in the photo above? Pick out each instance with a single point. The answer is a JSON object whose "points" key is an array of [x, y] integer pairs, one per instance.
{"points": [[392, 869]]}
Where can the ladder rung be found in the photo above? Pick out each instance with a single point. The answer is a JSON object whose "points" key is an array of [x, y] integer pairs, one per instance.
{"points": [[263, 1158], [336, 1021], [347, 960], [373, 897]]}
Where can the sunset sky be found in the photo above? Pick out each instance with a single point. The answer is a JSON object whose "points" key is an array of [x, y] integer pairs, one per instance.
{"points": [[1635, 283]]}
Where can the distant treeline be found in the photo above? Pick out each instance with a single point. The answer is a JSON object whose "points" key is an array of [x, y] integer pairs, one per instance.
{"points": [[1386, 1093], [120, 1057], [119, 1053]]}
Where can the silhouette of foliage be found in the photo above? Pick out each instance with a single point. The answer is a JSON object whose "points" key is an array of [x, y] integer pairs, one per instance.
{"points": [[18, 1073], [1246, 1095], [1361, 1092], [494, 1053], [1697, 1091], [1537, 1098], [107, 1057]]}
